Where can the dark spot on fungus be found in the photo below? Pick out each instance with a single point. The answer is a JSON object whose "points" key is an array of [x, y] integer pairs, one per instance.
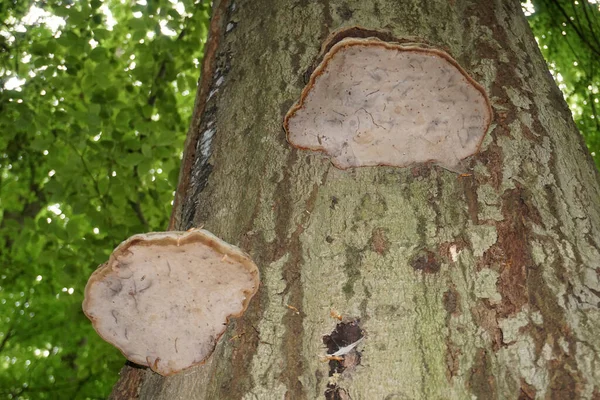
{"points": [[329, 239], [115, 286], [425, 261]]}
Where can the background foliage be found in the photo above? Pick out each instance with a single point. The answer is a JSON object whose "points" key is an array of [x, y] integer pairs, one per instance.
{"points": [[568, 33], [95, 101]]}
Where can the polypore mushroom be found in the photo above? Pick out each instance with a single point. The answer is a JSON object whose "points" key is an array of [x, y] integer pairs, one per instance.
{"points": [[372, 102], [165, 298]]}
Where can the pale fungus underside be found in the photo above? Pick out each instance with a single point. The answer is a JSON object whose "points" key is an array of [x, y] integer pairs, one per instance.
{"points": [[372, 102], [164, 299]]}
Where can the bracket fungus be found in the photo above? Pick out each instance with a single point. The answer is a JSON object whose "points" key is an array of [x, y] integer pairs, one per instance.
{"points": [[165, 298], [374, 102]]}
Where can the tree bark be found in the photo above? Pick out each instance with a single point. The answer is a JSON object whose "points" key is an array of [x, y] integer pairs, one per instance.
{"points": [[484, 285]]}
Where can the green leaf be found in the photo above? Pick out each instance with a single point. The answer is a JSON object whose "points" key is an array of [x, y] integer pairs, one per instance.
{"points": [[77, 17], [74, 228], [147, 110], [103, 184], [173, 177], [99, 54], [101, 34], [147, 150], [137, 24], [165, 138], [131, 159], [38, 49]]}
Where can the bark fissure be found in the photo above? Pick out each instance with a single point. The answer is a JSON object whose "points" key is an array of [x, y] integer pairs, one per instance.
{"points": [[292, 295], [182, 212]]}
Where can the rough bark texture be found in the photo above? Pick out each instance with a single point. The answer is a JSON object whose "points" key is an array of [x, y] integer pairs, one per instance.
{"points": [[479, 286]]}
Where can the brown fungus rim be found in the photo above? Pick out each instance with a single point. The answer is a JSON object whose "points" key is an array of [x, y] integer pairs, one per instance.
{"points": [[175, 238], [348, 41]]}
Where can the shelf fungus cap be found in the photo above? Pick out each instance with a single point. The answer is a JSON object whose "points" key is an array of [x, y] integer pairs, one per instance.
{"points": [[372, 102], [165, 298]]}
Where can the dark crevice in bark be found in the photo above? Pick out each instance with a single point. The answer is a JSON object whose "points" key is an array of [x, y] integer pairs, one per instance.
{"points": [[341, 356], [128, 386], [187, 188], [451, 303], [294, 363]]}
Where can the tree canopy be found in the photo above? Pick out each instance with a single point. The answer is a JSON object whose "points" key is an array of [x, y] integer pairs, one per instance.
{"points": [[95, 101], [568, 33]]}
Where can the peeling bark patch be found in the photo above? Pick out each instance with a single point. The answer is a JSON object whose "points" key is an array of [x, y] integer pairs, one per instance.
{"points": [[340, 341], [426, 262], [379, 241], [486, 318], [453, 354], [493, 159], [511, 252], [562, 383], [481, 380], [451, 301], [527, 392]]}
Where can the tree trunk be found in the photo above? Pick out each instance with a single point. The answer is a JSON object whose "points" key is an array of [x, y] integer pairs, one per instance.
{"points": [[482, 285]]}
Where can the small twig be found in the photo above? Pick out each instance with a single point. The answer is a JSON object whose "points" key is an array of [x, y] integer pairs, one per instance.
{"points": [[294, 309]]}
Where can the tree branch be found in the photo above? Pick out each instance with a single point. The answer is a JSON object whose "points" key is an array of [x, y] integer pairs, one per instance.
{"points": [[137, 208], [577, 30], [6, 338]]}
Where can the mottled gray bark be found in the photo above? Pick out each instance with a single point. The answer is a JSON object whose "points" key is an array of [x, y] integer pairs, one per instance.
{"points": [[482, 286]]}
